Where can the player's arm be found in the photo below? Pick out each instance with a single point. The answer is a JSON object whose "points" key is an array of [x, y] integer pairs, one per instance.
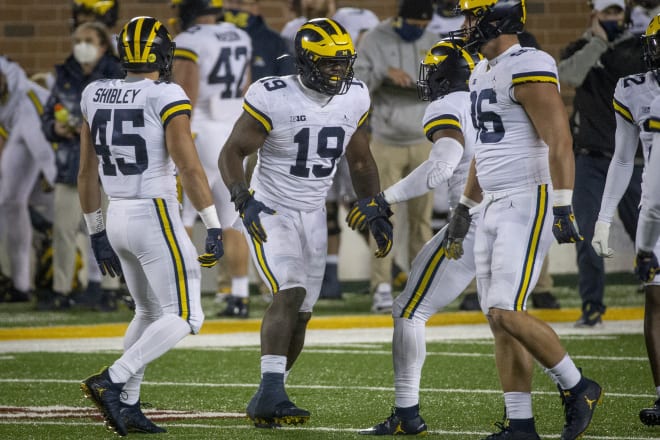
{"points": [[648, 227], [247, 136], [361, 163], [618, 177], [460, 221], [184, 154], [546, 110], [89, 192], [445, 155], [185, 72], [89, 188], [181, 148], [364, 175]]}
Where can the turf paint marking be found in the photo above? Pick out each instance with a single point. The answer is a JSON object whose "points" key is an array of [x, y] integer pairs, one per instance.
{"points": [[326, 387], [459, 434], [74, 412]]}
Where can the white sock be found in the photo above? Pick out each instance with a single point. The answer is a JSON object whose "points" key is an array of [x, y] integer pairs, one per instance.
{"points": [[240, 287], [566, 373], [657, 392], [332, 259], [271, 363], [409, 353], [286, 375], [518, 405], [131, 391]]}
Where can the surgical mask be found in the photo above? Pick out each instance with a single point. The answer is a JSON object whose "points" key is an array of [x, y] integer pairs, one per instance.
{"points": [[612, 28], [408, 32], [85, 52]]}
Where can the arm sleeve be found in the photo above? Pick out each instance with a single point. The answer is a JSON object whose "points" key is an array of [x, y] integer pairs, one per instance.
{"points": [[445, 156], [574, 68], [621, 168]]}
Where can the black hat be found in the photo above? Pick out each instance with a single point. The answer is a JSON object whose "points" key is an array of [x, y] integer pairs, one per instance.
{"points": [[417, 9]]}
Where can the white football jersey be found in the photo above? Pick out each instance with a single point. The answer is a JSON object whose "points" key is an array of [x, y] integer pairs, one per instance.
{"points": [[632, 101], [305, 139], [18, 86], [128, 121], [223, 53], [453, 111], [508, 151]]}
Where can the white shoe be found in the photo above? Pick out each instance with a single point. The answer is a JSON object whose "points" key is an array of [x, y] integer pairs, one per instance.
{"points": [[382, 301]]}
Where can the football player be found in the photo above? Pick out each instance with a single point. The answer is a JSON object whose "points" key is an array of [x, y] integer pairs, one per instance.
{"points": [[211, 63], [25, 156], [636, 123], [301, 125], [434, 279], [103, 11], [135, 131], [523, 157]]}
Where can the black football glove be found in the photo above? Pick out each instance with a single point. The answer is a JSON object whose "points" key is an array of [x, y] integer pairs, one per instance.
{"points": [[213, 249], [105, 256], [564, 226], [367, 209], [458, 227], [646, 265], [383, 232], [249, 209]]}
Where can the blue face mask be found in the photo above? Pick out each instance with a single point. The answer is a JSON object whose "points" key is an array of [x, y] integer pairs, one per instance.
{"points": [[408, 32], [612, 28]]}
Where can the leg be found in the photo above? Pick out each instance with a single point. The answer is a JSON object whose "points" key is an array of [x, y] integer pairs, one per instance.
{"points": [[65, 227], [331, 289], [651, 416], [590, 174]]}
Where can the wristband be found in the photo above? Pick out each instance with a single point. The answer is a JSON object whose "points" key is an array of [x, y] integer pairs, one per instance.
{"points": [[562, 197], [467, 201], [94, 221], [209, 217]]}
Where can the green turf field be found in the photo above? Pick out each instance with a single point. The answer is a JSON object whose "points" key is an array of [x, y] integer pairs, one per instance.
{"points": [[202, 393]]}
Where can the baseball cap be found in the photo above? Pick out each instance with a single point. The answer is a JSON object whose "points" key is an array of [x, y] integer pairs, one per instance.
{"points": [[416, 9], [601, 5]]}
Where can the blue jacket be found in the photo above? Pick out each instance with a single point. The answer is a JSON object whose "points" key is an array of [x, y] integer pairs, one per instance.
{"points": [[67, 91]]}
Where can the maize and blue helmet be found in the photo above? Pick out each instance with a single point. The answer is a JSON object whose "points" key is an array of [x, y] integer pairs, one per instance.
{"points": [[189, 10], [145, 45], [446, 68], [493, 18], [324, 56]]}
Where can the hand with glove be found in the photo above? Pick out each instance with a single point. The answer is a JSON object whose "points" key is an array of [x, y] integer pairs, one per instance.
{"points": [[213, 249], [646, 265], [249, 209], [458, 227], [564, 226], [105, 256], [367, 209], [383, 232], [601, 239]]}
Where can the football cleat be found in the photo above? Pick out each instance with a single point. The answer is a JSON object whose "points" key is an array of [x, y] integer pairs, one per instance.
{"points": [[136, 421], [264, 414], [651, 416], [105, 394], [394, 425], [506, 433], [237, 307], [579, 408]]}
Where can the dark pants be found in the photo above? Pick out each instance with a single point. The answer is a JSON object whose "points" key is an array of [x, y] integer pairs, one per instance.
{"points": [[590, 175]]}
